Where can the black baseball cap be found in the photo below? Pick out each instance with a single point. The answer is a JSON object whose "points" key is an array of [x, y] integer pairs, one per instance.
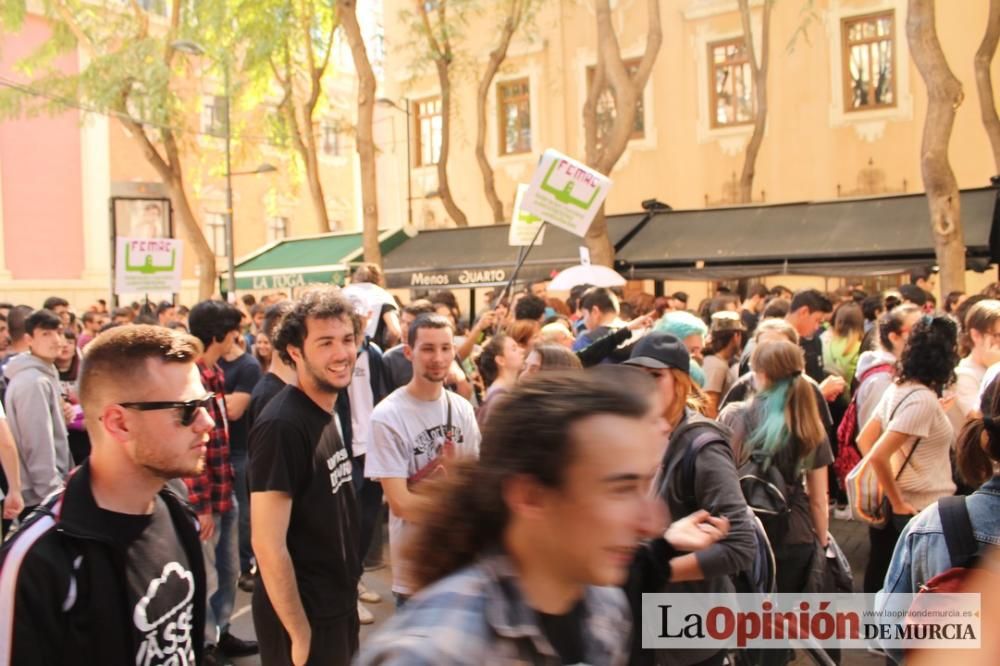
{"points": [[659, 351]]}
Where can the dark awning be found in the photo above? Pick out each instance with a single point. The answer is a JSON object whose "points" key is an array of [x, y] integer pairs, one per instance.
{"points": [[846, 237], [480, 256]]}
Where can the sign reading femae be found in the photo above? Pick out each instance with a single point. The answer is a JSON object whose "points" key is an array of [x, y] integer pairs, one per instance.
{"points": [[144, 265], [524, 225], [565, 193]]}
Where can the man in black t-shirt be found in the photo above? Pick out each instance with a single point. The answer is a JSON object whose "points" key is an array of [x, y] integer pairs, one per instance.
{"points": [[305, 516], [241, 372], [111, 571]]}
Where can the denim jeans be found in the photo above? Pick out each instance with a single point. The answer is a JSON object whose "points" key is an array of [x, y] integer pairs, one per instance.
{"points": [[221, 573], [242, 489]]}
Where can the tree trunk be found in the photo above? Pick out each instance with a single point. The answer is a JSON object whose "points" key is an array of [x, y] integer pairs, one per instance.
{"points": [[760, 94], [945, 95], [170, 173], [984, 82], [610, 70], [497, 56], [364, 133], [207, 279], [311, 160], [444, 190]]}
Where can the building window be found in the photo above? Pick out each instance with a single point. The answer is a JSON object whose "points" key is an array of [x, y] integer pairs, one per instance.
{"points": [[731, 83], [213, 115], [869, 67], [428, 119], [331, 140], [514, 102], [606, 112], [215, 233], [277, 229]]}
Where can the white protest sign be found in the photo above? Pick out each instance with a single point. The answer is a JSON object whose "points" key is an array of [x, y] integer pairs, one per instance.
{"points": [[148, 265], [565, 193], [524, 225]]}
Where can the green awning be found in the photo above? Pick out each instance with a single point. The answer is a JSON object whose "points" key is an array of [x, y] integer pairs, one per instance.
{"points": [[296, 262]]}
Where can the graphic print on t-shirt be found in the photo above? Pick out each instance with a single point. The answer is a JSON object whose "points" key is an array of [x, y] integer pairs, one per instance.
{"points": [[163, 617], [431, 449]]}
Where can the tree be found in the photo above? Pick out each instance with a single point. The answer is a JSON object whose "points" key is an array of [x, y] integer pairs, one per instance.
{"points": [[129, 75], [439, 43], [516, 12], [984, 82], [759, 71], [365, 139], [944, 96], [603, 152], [291, 42]]}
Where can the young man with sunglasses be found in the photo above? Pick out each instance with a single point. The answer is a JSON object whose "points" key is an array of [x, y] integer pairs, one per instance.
{"points": [[109, 569], [216, 324]]}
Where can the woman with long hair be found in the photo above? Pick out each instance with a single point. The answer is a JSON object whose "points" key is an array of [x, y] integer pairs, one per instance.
{"points": [[698, 473], [782, 423], [910, 438], [262, 350], [876, 368]]}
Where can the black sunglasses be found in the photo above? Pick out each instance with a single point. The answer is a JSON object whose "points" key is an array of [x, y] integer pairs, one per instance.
{"points": [[189, 409]]}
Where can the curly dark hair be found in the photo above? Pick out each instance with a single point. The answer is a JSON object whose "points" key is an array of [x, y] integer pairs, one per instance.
{"points": [[930, 354]]}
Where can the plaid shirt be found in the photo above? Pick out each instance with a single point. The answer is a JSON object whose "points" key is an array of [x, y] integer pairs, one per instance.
{"points": [[212, 491], [478, 616]]}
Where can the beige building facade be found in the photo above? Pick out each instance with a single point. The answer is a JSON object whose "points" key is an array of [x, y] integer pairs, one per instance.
{"points": [[846, 103]]}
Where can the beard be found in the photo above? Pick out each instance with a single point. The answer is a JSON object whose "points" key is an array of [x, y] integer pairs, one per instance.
{"points": [[322, 383]]}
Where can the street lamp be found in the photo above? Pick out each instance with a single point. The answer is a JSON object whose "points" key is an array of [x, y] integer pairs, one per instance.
{"points": [[385, 101], [196, 49]]}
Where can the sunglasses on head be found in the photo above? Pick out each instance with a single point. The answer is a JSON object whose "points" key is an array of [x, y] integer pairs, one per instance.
{"points": [[189, 408]]}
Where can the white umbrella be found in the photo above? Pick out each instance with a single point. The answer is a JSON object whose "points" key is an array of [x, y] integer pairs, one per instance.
{"points": [[593, 274]]}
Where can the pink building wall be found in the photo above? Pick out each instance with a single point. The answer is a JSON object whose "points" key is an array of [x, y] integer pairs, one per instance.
{"points": [[40, 173]]}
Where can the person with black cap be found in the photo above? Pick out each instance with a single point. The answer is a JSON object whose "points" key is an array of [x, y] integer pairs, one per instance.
{"points": [[698, 472]]}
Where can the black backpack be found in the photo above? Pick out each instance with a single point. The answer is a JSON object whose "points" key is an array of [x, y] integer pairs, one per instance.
{"points": [[767, 494]]}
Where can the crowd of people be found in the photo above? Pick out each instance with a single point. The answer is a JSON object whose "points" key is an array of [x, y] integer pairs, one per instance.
{"points": [[541, 466]]}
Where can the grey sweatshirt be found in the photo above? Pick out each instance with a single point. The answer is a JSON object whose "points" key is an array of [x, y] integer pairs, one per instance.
{"points": [[34, 411], [717, 490]]}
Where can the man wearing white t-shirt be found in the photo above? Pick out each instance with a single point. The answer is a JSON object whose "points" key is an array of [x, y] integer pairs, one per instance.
{"points": [[416, 430]]}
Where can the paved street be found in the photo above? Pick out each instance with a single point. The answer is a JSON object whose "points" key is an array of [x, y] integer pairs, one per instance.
{"points": [[851, 535]]}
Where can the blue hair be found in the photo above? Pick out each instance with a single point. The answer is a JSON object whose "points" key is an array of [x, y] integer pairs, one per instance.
{"points": [[681, 324], [772, 433]]}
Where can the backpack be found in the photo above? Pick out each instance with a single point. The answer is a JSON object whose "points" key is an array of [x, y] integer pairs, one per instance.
{"points": [[963, 548], [848, 454], [767, 494], [698, 433]]}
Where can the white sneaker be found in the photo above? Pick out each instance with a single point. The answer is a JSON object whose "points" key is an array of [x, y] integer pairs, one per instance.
{"points": [[364, 615], [368, 596]]}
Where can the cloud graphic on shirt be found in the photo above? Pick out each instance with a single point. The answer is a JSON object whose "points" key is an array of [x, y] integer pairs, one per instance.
{"points": [[159, 602]]}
